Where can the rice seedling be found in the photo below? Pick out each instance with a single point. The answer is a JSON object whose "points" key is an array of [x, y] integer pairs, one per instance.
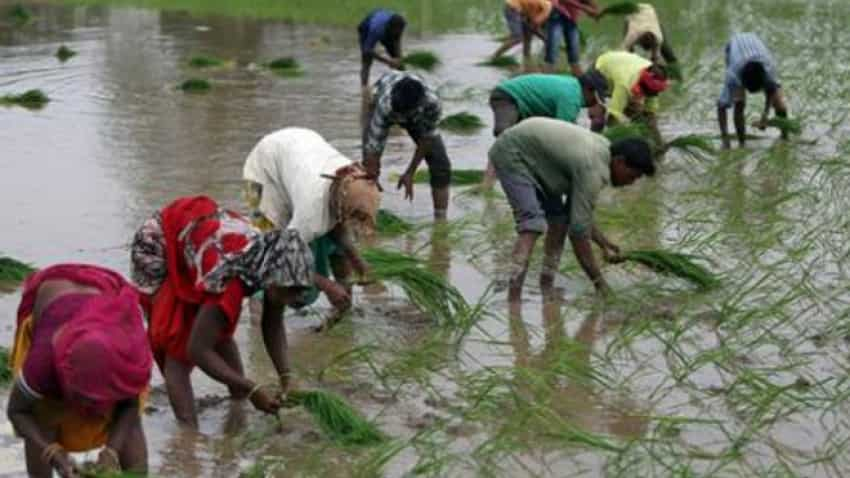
{"points": [[429, 292], [674, 71], [460, 177], [463, 122], [336, 418], [32, 99], [630, 130], [503, 61], [202, 61], [13, 271], [193, 85], [64, 53], [692, 144], [786, 125], [672, 263], [390, 225], [285, 66], [422, 59], [622, 8], [5, 367], [19, 15]]}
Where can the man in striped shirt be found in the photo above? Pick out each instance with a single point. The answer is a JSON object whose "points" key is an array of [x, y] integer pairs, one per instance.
{"points": [[749, 68]]}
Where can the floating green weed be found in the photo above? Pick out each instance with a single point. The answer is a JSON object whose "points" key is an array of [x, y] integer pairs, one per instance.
{"points": [[202, 61], [504, 61], [680, 265], [195, 85], [460, 177], [422, 59], [389, 224], [64, 53], [463, 122], [13, 271], [337, 418], [431, 293], [622, 8], [31, 99]]}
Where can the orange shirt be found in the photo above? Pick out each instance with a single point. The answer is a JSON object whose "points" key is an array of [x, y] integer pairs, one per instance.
{"points": [[537, 11]]}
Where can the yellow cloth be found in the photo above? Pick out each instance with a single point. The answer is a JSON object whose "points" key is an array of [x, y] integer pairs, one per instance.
{"points": [[622, 70], [76, 432], [253, 193], [644, 21], [537, 11]]}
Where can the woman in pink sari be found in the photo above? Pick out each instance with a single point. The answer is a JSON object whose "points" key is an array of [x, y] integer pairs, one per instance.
{"points": [[82, 362]]}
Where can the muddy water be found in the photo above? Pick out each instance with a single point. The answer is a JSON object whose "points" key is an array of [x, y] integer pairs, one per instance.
{"points": [[118, 140]]}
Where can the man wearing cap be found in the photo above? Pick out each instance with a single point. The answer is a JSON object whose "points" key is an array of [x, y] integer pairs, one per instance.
{"points": [[552, 172], [749, 68], [550, 96]]}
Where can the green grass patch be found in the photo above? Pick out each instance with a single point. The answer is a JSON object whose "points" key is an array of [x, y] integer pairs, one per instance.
{"points": [[19, 15], [63, 53], [195, 85], [5, 367], [460, 177], [429, 292], [32, 99], [203, 61], [285, 66], [786, 125], [463, 122], [622, 8], [421, 59], [673, 263], [389, 224], [504, 61], [337, 419]]}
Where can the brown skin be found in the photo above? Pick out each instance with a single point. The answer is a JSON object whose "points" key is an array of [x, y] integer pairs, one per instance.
{"points": [[621, 175], [126, 435], [775, 101], [388, 59], [531, 30]]}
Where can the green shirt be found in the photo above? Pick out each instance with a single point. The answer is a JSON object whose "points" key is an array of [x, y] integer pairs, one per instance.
{"points": [[550, 96], [561, 159]]}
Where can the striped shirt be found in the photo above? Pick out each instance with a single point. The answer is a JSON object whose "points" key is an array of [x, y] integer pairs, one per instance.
{"points": [[744, 48], [421, 122]]}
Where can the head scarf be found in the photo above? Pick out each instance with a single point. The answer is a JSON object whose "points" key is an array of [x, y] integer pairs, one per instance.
{"points": [[102, 354], [649, 81], [354, 191]]}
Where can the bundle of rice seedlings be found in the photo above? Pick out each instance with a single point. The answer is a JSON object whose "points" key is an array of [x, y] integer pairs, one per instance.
{"points": [[64, 53], [462, 122], [622, 8], [336, 418], [5, 367], [674, 71], [390, 225], [634, 129], [673, 263], [202, 61], [29, 99], [460, 177], [422, 59], [19, 14], [429, 292], [285, 66], [195, 85], [692, 144], [786, 125], [13, 271], [504, 61]]}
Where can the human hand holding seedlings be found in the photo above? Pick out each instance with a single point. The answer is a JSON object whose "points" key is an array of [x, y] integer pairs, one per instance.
{"points": [[64, 465], [406, 182], [263, 401], [337, 294], [108, 461]]}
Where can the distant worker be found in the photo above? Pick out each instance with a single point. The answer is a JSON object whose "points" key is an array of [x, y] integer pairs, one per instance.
{"points": [[563, 23], [644, 30], [384, 27], [550, 96], [552, 172], [523, 18], [749, 68], [403, 99]]}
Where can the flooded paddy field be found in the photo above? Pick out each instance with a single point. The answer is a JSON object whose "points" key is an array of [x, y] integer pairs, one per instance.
{"points": [[747, 380]]}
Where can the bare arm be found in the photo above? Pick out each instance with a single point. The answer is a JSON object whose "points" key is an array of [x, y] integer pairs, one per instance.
{"points": [[20, 411], [206, 331], [343, 238], [584, 253], [274, 334], [126, 415], [423, 147]]}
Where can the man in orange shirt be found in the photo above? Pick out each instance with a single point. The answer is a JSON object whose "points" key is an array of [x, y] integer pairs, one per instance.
{"points": [[523, 18]]}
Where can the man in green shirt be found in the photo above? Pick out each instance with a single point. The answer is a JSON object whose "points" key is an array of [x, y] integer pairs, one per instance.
{"points": [[550, 96], [552, 172]]}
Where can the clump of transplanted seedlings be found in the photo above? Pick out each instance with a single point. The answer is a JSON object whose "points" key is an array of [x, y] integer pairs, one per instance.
{"points": [[195, 85], [32, 99], [422, 59], [337, 419], [285, 66], [460, 177], [463, 122], [63, 53]]}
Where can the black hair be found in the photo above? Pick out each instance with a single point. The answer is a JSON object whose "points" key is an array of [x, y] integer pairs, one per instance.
{"points": [[753, 76], [637, 154], [407, 94], [396, 25]]}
